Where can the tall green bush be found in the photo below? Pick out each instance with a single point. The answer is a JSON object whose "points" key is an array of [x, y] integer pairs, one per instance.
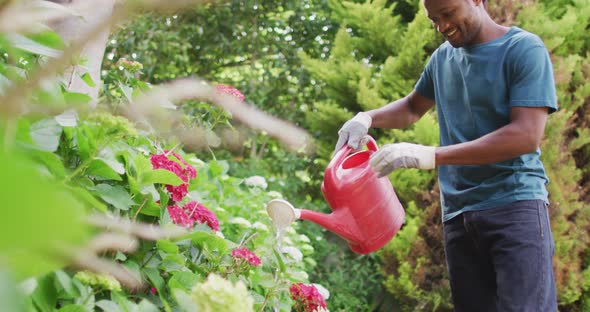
{"points": [[361, 75]]}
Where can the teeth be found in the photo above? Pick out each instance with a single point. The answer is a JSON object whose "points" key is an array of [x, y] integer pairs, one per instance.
{"points": [[451, 33]]}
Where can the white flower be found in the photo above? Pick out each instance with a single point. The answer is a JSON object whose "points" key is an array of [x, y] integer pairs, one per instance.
{"points": [[240, 221], [219, 294], [304, 238], [293, 252], [256, 181], [300, 275], [322, 290], [260, 226]]}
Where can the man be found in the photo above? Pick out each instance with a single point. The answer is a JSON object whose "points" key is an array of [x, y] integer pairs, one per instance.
{"points": [[493, 89]]}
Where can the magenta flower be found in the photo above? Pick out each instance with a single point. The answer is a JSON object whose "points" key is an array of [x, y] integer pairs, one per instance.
{"points": [[246, 254], [307, 298], [229, 90], [179, 217], [183, 170], [201, 214], [177, 192]]}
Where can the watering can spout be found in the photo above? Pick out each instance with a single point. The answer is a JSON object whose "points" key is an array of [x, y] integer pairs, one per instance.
{"points": [[332, 222], [283, 213]]}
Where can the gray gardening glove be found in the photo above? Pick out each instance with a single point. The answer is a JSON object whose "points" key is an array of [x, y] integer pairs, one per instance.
{"points": [[354, 132], [402, 155]]}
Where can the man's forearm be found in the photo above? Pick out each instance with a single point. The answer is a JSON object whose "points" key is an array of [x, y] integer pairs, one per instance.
{"points": [[393, 115], [522, 135]]}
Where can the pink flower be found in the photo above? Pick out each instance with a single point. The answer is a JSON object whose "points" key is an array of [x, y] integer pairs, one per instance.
{"points": [[245, 253], [153, 290], [229, 90], [183, 170], [177, 192], [307, 298], [179, 217], [200, 214], [188, 172]]}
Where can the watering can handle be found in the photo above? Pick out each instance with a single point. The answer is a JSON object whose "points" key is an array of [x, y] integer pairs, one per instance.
{"points": [[346, 150]]}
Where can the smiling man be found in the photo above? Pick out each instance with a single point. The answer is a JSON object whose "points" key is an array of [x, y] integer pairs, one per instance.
{"points": [[493, 90]]}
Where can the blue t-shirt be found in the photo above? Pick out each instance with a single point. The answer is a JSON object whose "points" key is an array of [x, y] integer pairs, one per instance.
{"points": [[474, 88]]}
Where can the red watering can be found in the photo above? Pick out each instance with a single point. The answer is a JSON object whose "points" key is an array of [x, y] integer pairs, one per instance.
{"points": [[365, 210]]}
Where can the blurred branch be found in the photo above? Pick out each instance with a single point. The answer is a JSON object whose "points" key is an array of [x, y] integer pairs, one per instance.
{"points": [[14, 99], [150, 104], [141, 230]]}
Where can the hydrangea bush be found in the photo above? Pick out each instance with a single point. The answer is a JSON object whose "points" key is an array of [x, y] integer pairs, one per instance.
{"points": [[229, 259]]}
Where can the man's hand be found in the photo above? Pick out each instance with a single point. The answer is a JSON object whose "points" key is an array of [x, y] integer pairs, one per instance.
{"points": [[402, 155], [353, 132]]}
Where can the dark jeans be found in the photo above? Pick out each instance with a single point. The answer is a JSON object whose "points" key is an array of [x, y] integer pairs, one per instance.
{"points": [[500, 259]]}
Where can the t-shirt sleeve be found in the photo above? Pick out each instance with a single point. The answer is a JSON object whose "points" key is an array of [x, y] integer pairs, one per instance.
{"points": [[425, 85], [532, 83]]}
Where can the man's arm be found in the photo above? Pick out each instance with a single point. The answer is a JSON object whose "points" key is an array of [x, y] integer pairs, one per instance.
{"points": [[521, 136], [401, 113]]}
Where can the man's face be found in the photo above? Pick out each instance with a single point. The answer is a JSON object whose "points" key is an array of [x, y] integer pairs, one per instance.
{"points": [[458, 20]]}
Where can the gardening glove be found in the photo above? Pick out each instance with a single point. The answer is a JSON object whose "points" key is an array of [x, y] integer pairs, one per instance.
{"points": [[402, 155], [354, 132]]}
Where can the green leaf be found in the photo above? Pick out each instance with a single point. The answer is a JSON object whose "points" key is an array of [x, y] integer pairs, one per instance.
{"points": [[107, 305], [85, 196], [45, 296], [66, 283], [141, 165], [51, 161], [183, 280], [67, 119], [73, 308], [26, 44], [86, 142], [127, 91], [218, 168], [209, 241], [167, 246], [88, 80], [146, 306], [161, 176], [43, 216], [115, 195], [46, 134], [76, 98], [48, 38], [151, 208], [108, 156], [99, 168]]}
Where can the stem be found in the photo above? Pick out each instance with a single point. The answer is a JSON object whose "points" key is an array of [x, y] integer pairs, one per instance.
{"points": [[172, 149], [79, 169], [148, 260], [244, 242], [139, 209]]}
